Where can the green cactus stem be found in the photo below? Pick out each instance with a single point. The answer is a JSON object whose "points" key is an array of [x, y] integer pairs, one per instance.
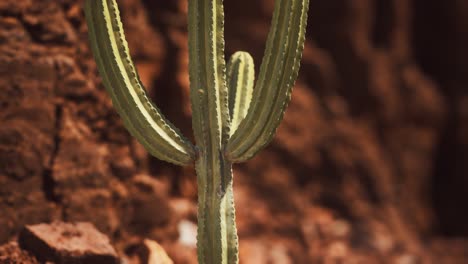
{"points": [[231, 119], [240, 74]]}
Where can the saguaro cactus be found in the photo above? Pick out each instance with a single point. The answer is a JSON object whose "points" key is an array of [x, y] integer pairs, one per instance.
{"points": [[231, 119]]}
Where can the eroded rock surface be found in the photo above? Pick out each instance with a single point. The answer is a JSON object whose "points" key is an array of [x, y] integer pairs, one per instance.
{"points": [[64, 243], [11, 253]]}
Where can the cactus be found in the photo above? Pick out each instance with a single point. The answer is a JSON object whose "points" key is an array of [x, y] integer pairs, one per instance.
{"points": [[231, 119]]}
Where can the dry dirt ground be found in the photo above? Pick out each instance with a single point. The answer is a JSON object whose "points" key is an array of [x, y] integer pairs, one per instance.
{"points": [[368, 166]]}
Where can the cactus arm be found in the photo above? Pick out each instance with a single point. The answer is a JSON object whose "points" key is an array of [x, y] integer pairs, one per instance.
{"points": [[278, 72], [141, 117], [240, 80], [210, 121]]}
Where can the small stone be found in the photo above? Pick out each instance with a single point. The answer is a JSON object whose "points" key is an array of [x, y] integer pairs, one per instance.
{"points": [[340, 229], [337, 250], [153, 253], [187, 233], [68, 243], [184, 208]]}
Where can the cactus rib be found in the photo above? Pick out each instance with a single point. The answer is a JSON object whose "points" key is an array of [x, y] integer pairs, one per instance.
{"points": [[141, 117]]}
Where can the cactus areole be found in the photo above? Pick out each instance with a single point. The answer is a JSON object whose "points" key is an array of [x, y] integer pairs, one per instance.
{"points": [[231, 119]]}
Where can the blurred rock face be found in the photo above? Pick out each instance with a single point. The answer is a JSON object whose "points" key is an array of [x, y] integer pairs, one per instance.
{"points": [[369, 158]]}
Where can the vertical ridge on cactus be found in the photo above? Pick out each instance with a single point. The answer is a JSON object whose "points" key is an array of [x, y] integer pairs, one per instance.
{"points": [[231, 119]]}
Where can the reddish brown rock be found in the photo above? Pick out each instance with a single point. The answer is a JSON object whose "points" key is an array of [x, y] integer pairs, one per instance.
{"points": [[68, 243], [11, 253]]}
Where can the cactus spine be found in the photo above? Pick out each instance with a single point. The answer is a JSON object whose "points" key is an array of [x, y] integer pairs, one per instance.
{"points": [[231, 119]]}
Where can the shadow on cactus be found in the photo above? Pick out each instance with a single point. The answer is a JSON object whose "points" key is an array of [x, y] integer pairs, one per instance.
{"points": [[231, 119]]}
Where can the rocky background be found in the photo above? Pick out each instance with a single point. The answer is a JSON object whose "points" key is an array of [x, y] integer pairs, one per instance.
{"points": [[369, 165]]}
